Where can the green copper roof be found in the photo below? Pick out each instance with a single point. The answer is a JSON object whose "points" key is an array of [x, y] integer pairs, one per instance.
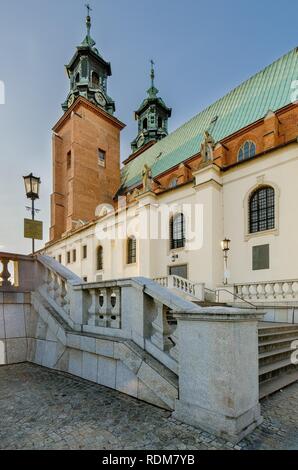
{"points": [[269, 89]]}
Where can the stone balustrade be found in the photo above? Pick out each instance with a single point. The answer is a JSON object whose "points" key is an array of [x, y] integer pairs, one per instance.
{"points": [[16, 272], [195, 290], [268, 290]]}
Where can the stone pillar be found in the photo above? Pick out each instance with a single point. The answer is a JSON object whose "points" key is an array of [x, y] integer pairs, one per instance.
{"points": [[218, 371]]}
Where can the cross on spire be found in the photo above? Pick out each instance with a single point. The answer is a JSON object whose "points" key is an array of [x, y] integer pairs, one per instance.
{"points": [[152, 73], [88, 19], [87, 5]]}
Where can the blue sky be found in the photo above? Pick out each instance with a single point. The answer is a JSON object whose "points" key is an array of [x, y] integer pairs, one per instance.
{"points": [[202, 49]]}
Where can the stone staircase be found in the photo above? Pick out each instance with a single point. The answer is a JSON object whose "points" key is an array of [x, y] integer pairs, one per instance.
{"points": [[275, 367], [276, 370]]}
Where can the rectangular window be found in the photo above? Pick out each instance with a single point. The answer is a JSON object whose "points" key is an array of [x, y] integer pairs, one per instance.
{"points": [[74, 256], [260, 257], [68, 257], [101, 157], [69, 160], [85, 279], [84, 251], [180, 271], [60, 259]]}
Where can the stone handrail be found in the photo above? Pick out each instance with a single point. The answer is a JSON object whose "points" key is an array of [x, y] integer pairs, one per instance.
{"points": [[268, 290]]}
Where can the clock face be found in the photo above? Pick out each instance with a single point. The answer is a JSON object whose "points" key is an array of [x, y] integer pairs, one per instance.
{"points": [[100, 99], [70, 100], [141, 140]]}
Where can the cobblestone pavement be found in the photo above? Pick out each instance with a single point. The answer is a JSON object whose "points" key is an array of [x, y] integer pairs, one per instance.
{"points": [[42, 409]]}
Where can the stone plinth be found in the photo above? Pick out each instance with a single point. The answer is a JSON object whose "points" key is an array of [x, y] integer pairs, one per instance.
{"points": [[218, 371]]}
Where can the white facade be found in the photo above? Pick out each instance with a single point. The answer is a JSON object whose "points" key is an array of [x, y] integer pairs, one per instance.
{"points": [[223, 200]]}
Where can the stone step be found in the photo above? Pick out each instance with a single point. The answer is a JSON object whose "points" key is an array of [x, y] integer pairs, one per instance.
{"points": [[287, 334], [277, 365], [275, 344], [275, 356], [275, 352], [264, 329], [273, 385]]}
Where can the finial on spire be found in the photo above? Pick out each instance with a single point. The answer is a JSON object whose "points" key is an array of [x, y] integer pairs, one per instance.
{"points": [[152, 73], [88, 19]]}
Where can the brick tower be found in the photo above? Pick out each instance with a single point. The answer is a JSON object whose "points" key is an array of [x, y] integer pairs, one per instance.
{"points": [[86, 143]]}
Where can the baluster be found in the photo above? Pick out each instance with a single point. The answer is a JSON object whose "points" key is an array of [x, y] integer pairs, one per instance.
{"points": [[115, 308], [260, 289], [63, 293], [269, 291], [56, 288], [161, 328], [5, 274], [295, 289], [277, 289], [50, 282], [103, 307], [252, 291], [66, 298], [94, 307]]}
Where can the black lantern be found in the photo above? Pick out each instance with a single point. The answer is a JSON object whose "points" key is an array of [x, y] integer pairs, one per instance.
{"points": [[32, 184], [225, 245]]}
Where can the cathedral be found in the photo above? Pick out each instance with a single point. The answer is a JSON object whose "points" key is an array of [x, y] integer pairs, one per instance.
{"points": [[223, 185]]}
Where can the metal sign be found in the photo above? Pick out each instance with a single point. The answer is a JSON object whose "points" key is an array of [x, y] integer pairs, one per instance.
{"points": [[33, 229]]}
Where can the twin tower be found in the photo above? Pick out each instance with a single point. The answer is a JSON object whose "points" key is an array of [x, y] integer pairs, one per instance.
{"points": [[86, 140]]}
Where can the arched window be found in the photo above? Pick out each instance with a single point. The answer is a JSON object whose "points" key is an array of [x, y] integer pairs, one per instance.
{"points": [[247, 150], [95, 79], [177, 231], [131, 250], [262, 209], [145, 123], [99, 258]]}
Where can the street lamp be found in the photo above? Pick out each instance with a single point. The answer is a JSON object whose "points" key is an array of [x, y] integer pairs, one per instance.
{"points": [[32, 185], [225, 246]]}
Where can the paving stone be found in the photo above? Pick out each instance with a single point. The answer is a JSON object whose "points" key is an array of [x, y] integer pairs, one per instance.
{"points": [[43, 409]]}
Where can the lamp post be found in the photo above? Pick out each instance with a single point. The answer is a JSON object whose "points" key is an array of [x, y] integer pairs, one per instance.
{"points": [[225, 246], [32, 185]]}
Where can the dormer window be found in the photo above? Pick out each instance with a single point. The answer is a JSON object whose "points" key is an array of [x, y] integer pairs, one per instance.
{"points": [[78, 78], [247, 150], [145, 123]]}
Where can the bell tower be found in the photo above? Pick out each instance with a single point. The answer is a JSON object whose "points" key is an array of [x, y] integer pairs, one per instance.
{"points": [[86, 144], [152, 117]]}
